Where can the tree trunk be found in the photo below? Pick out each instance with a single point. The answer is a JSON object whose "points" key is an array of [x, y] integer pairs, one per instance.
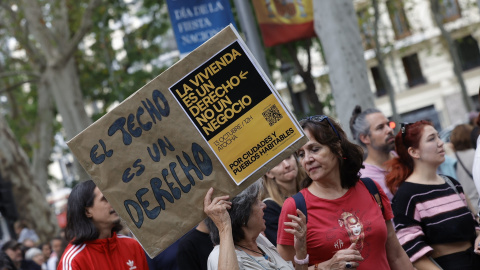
{"points": [[43, 136], [337, 26], [58, 45], [306, 74], [15, 169], [286, 69], [381, 65], [457, 67], [64, 86]]}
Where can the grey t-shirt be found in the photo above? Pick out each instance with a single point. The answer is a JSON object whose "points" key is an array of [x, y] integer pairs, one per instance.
{"points": [[246, 261]]}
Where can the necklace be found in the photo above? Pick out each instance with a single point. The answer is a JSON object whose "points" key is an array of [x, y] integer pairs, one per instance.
{"points": [[261, 253]]}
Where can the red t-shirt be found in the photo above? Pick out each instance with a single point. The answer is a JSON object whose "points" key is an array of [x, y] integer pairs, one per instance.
{"points": [[335, 224]]}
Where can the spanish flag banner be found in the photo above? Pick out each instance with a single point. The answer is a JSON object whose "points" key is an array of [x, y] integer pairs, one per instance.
{"points": [[283, 21]]}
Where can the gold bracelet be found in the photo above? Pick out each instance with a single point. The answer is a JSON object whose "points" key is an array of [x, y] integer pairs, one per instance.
{"points": [[316, 266]]}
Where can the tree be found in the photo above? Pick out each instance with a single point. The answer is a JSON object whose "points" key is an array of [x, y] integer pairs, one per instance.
{"points": [[48, 73], [306, 74], [457, 66], [287, 54], [111, 68], [337, 26], [381, 64], [29, 198], [49, 39]]}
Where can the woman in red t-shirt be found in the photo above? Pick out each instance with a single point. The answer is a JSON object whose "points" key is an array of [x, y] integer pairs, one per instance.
{"points": [[345, 226]]}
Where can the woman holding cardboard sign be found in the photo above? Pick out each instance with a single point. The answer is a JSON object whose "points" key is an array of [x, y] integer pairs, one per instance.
{"points": [[346, 228], [239, 242]]}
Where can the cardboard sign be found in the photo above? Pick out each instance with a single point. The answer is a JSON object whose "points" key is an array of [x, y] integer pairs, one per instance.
{"points": [[211, 120]]}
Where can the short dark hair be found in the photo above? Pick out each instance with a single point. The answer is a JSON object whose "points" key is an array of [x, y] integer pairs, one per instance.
{"points": [[80, 228], [349, 155], [239, 213]]}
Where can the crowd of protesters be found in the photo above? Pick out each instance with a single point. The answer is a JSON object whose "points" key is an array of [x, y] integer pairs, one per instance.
{"points": [[26, 252], [382, 203]]}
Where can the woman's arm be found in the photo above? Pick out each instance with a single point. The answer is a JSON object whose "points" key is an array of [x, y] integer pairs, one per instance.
{"points": [[216, 209], [396, 256], [425, 263], [299, 231], [476, 248]]}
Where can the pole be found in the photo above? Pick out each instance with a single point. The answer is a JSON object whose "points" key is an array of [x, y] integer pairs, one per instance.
{"points": [[245, 15]]}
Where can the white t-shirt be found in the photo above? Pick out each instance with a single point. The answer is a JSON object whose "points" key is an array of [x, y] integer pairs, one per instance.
{"points": [[476, 169], [246, 261], [52, 263]]}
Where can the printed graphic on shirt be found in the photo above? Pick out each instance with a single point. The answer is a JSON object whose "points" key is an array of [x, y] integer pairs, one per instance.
{"points": [[354, 228], [131, 264], [338, 244]]}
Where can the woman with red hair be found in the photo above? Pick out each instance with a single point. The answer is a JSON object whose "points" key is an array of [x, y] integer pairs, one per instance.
{"points": [[433, 222]]}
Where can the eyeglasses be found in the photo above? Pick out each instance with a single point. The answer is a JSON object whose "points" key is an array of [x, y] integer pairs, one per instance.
{"points": [[403, 129], [320, 118]]}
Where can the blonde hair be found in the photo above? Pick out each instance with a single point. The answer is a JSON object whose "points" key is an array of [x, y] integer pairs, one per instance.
{"points": [[274, 191]]}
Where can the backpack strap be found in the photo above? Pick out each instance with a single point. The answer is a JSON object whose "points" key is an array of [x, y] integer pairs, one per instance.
{"points": [[372, 188], [301, 204]]}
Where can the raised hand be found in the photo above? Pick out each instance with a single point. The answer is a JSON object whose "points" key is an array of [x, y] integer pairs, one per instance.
{"points": [[299, 230], [217, 208]]}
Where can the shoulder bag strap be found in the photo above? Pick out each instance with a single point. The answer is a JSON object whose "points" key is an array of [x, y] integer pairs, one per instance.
{"points": [[372, 188], [463, 166], [301, 204], [450, 183]]}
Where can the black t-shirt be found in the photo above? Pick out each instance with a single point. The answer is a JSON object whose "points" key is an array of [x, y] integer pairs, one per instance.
{"points": [[193, 251], [271, 215]]}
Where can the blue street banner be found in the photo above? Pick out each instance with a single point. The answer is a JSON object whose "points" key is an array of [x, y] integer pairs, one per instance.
{"points": [[195, 21]]}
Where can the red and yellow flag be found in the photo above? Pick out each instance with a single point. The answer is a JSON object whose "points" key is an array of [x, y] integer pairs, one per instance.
{"points": [[283, 21]]}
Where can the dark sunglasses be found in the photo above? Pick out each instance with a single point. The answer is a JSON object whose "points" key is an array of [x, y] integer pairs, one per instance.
{"points": [[320, 118]]}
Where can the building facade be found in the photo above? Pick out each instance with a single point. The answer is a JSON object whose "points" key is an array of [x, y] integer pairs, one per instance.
{"points": [[417, 59]]}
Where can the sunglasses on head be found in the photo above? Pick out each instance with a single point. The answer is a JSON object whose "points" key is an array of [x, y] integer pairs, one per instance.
{"points": [[403, 129], [320, 118]]}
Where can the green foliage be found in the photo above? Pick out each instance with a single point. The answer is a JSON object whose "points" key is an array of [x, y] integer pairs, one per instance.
{"points": [[111, 71], [119, 55]]}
